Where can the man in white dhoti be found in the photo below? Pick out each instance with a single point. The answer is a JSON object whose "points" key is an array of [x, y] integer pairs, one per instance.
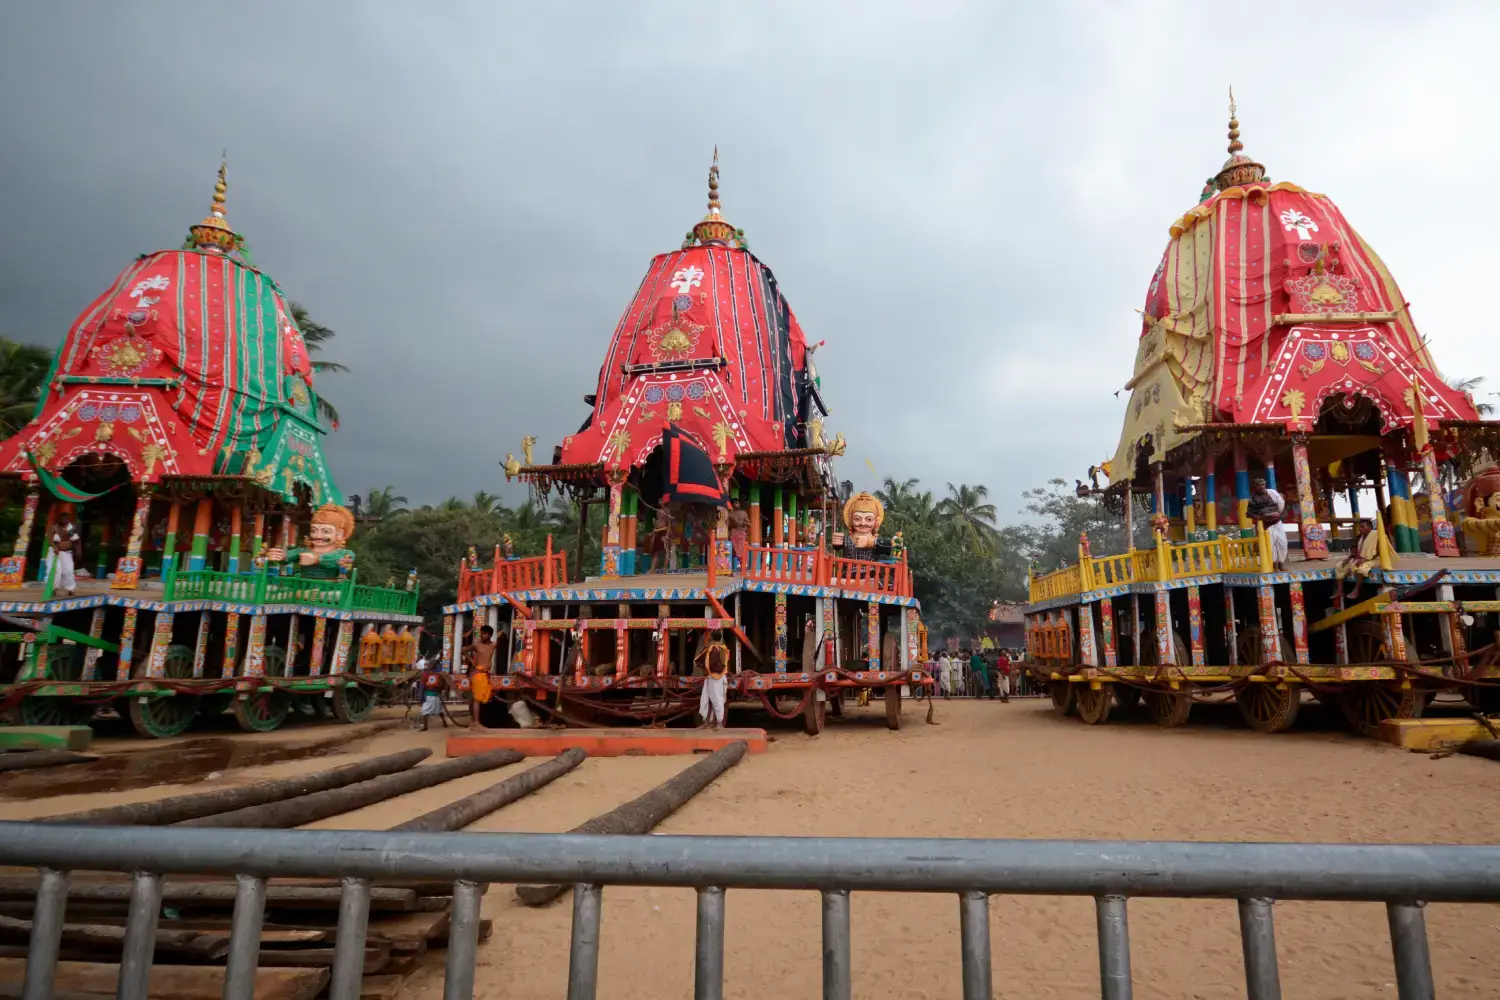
{"points": [[715, 658], [1267, 506], [64, 543]]}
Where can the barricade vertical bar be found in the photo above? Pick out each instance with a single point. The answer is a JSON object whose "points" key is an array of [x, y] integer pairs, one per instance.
{"points": [[974, 939], [244, 937], [1258, 941], [583, 957], [838, 983], [46, 935], [1114, 948], [349, 943], [1409, 946], [463, 942], [708, 956], [140, 937]]}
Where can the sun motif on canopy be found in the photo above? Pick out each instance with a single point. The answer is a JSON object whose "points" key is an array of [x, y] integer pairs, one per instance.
{"points": [[674, 340]]}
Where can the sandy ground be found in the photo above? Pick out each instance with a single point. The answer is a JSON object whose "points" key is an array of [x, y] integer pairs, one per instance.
{"points": [[988, 770]]}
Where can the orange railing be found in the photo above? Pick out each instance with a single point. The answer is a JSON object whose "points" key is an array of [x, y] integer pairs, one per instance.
{"points": [[778, 565], [507, 575]]}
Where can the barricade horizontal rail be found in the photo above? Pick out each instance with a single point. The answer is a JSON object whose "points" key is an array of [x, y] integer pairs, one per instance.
{"points": [[1404, 877]]}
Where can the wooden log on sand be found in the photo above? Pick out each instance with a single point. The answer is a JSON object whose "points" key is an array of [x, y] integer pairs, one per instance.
{"points": [[643, 814], [321, 805], [174, 982], [24, 760], [185, 807], [1481, 748], [103, 937], [457, 815]]}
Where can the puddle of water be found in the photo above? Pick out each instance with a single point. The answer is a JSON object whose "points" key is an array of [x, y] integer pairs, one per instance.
{"points": [[190, 761]]}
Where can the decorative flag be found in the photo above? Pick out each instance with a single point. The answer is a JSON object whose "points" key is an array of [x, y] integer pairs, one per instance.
{"points": [[680, 470], [60, 487]]}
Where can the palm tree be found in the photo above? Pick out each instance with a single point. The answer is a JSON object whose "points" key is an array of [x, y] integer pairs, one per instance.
{"points": [[384, 502], [315, 335], [905, 505], [453, 503], [1471, 386], [966, 517], [23, 369], [489, 503]]}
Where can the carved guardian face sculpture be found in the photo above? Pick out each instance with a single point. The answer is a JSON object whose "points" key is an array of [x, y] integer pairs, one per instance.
{"points": [[863, 515]]}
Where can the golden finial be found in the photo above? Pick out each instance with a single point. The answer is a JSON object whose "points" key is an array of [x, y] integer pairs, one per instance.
{"points": [[713, 185], [713, 230], [1234, 126], [213, 233]]}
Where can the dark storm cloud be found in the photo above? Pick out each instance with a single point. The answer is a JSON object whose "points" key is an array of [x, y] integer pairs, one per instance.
{"points": [[964, 202]]}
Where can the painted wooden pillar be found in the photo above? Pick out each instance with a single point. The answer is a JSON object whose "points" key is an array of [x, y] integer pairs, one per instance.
{"points": [[1135, 627], [1340, 639], [778, 527], [203, 526], [1395, 633], [872, 636], [739, 647], [456, 657], [258, 537], [1444, 538], [1314, 535], [1211, 502], [791, 519], [1165, 648], [829, 637], [236, 519], [128, 570], [628, 509], [1299, 622], [910, 639], [755, 533], [169, 539], [609, 561], [230, 667], [622, 643], [293, 643], [1189, 515], [341, 644], [13, 570], [127, 645], [1242, 491], [664, 640], [200, 648], [255, 648], [1088, 652], [447, 638], [33, 660], [1231, 627], [92, 654], [780, 657], [101, 563], [1195, 624], [1270, 638], [543, 652], [1107, 631], [161, 638]]}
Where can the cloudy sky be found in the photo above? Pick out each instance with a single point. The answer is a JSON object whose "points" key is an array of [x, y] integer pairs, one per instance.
{"points": [[965, 200]]}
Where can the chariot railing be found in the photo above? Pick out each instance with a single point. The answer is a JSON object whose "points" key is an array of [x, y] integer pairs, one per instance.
{"points": [[263, 587], [1403, 877]]}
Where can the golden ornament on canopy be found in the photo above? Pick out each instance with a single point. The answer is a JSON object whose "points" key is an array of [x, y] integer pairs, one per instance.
{"points": [[213, 233], [1239, 169]]}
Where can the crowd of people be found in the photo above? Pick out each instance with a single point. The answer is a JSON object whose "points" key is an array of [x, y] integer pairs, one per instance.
{"points": [[983, 674]]}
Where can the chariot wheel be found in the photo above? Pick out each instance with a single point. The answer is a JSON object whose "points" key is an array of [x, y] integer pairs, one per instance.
{"points": [[814, 714], [1365, 705], [324, 706], [1367, 642], [1168, 709], [261, 711], [352, 703], [158, 718], [1181, 656], [1093, 705], [211, 705], [54, 710], [1269, 708], [1062, 696], [893, 706], [1250, 651], [65, 662], [1127, 696], [275, 661]]}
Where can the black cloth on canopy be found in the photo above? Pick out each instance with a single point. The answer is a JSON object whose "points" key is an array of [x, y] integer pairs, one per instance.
{"points": [[681, 471]]}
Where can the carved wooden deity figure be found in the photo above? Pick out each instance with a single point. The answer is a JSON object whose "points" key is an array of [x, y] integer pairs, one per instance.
{"points": [[325, 556], [1482, 510], [863, 516]]}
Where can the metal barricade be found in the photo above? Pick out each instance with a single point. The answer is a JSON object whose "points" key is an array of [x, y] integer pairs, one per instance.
{"points": [[1404, 877]]}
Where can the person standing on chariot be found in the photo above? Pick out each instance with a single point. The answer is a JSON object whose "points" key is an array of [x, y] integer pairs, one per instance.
{"points": [[739, 536], [1266, 506], [64, 544], [715, 659]]}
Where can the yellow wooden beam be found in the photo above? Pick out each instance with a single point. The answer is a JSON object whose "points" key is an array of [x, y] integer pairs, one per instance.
{"points": [[1359, 610]]}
